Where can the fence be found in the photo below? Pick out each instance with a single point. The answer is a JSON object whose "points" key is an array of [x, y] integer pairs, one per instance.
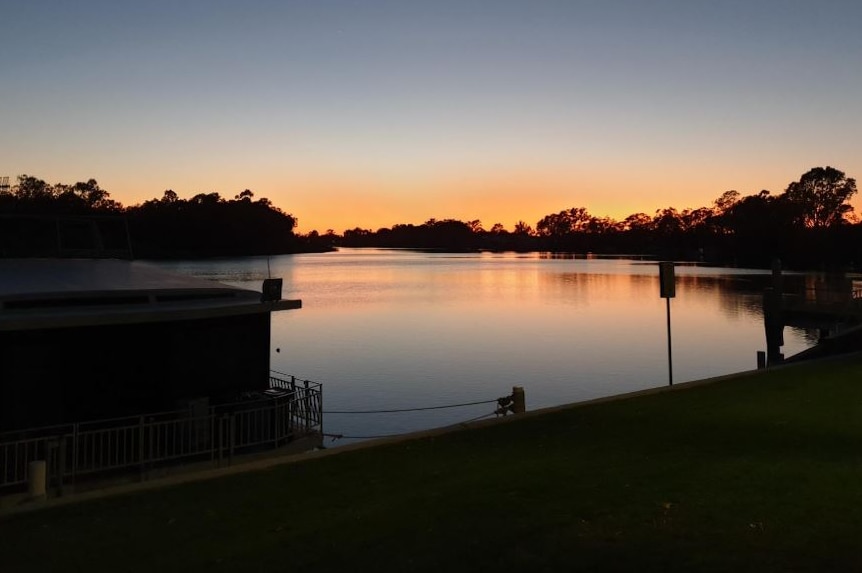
{"points": [[140, 444]]}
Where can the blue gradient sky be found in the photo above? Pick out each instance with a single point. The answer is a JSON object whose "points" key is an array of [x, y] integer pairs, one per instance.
{"points": [[373, 113]]}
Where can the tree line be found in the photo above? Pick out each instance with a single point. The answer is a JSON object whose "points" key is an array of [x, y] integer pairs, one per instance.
{"points": [[205, 225], [809, 225]]}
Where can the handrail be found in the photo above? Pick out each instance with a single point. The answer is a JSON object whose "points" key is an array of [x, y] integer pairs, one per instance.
{"points": [[144, 442]]}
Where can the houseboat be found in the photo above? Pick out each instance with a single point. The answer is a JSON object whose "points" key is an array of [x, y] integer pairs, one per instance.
{"points": [[84, 339], [113, 364]]}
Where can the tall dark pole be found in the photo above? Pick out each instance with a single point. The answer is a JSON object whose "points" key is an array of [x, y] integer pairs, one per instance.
{"points": [[669, 357], [667, 285]]}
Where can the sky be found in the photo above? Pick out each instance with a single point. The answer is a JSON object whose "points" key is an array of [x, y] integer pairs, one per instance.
{"points": [[373, 113]]}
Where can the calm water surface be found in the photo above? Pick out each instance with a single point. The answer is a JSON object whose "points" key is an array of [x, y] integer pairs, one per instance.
{"points": [[392, 329]]}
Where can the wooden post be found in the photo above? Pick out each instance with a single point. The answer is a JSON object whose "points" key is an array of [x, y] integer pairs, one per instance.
{"points": [[761, 359], [519, 403], [37, 479]]}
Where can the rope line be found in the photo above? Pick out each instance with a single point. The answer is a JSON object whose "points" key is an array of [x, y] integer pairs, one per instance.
{"points": [[342, 436], [504, 407], [407, 409], [390, 410]]}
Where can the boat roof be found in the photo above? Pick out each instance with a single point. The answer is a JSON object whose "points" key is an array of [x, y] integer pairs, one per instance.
{"points": [[51, 293]]}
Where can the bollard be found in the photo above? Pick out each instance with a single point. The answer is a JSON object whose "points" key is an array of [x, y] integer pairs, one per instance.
{"points": [[37, 479], [519, 404], [761, 359]]}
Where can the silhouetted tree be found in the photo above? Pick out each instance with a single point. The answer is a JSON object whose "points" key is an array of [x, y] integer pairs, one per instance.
{"points": [[522, 228], [640, 222], [821, 196], [725, 202], [33, 189], [208, 225], [667, 222], [564, 223]]}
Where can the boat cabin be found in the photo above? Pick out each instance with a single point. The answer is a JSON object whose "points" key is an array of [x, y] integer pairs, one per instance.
{"points": [[84, 339]]}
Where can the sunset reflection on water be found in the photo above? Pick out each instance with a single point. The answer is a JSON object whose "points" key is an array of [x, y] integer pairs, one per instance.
{"points": [[389, 329]]}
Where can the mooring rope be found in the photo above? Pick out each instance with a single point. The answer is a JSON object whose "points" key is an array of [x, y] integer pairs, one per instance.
{"points": [[393, 410], [408, 409], [504, 406], [342, 436]]}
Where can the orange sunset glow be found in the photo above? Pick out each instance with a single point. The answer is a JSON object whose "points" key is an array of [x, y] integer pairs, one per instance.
{"points": [[370, 115]]}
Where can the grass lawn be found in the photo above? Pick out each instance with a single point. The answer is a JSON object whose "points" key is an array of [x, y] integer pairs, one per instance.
{"points": [[757, 473]]}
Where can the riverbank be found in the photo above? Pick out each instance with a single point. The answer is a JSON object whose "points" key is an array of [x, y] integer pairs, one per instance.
{"points": [[753, 472]]}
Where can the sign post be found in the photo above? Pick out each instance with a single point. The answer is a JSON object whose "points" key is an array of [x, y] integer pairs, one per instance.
{"points": [[667, 285]]}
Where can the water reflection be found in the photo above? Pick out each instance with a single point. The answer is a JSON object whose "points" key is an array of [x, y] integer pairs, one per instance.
{"points": [[399, 329], [243, 271]]}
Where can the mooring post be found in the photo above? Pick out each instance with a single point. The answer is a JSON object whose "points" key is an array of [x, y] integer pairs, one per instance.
{"points": [[519, 403], [761, 359], [37, 479]]}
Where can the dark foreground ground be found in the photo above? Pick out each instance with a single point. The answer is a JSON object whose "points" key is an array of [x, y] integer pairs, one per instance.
{"points": [[755, 473]]}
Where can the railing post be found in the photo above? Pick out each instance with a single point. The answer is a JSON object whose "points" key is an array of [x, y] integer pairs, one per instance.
{"points": [[151, 429], [50, 460], [291, 412], [61, 465], [75, 452], [141, 466], [221, 436], [213, 436], [231, 423], [307, 409], [319, 412]]}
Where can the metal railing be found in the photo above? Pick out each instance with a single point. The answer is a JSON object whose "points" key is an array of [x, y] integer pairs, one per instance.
{"points": [[140, 444]]}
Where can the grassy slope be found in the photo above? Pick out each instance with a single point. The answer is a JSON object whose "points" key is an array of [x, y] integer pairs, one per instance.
{"points": [[759, 473]]}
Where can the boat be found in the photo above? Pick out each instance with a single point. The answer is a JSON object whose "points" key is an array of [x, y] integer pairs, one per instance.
{"points": [[109, 363], [84, 339]]}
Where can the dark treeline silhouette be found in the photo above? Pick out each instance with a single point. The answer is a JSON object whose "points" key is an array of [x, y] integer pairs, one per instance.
{"points": [[809, 225], [205, 225]]}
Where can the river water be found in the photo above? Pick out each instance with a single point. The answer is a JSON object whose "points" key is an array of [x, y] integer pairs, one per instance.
{"points": [[398, 329]]}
